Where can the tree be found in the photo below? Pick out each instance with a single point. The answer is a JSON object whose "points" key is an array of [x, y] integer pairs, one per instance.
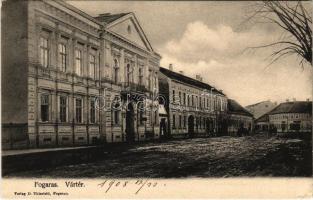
{"points": [[295, 22]]}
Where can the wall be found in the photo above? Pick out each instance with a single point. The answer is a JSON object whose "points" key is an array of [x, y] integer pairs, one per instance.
{"points": [[287, 119], [234, 122], [203, 114]]}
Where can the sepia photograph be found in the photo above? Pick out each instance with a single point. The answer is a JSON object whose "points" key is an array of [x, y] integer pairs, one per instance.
{"points": [[152, 91]]}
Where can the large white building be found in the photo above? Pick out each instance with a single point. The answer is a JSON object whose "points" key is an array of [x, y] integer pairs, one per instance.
{"points": [[72, 79]]}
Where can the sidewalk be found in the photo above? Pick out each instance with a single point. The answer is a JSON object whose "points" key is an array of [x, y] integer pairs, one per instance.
{"points": [[30, 151]]}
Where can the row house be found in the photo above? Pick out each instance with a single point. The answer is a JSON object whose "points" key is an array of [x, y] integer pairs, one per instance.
{"points": [[291, 117], [72, 79], [193, 108], [238, 118]]}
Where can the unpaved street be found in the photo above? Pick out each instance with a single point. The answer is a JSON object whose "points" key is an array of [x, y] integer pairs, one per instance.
{"points": [[200, 157]]}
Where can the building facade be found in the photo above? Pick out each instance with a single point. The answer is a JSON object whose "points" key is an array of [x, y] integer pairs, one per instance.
{"points": [[238, 117], [193, 107], [261, 125], [71, 79], [292, 117]]}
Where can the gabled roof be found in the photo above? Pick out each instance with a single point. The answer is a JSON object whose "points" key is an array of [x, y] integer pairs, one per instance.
{"points": [[263, 118], [188, 80], [235, 108], [109, 18], [252, 105], [293, 107]]}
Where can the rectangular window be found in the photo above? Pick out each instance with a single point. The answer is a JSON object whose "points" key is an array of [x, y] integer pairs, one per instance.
{"points": [[192, 101], [203, 102], [44, 107], [92, 66], [174, 122], [116, 117], [173, 96], [184, 98], [62, 54], [78, 62], [188, 100], [78, 109], [115, 75], [63, 108], [44, 52], [180, 121], [155, 80], [179, 96], [200, 102], [92, 110], [141, 117], [140, 76], [149, 80]]}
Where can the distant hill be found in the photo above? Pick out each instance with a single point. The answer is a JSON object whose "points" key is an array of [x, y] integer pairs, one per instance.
{"points": [[259, 109]]}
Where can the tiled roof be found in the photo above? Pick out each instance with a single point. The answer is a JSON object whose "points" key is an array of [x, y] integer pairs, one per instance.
{"points": [[293, 107], [263, 118], [108, 18], [252, 105], [188, 80], [235, 108]]}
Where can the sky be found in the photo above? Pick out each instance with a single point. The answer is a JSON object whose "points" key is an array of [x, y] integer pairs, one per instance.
{"points": [[211, 39]]}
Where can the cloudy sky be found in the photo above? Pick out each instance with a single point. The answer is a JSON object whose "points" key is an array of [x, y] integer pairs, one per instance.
{"points": [[209, 38]]}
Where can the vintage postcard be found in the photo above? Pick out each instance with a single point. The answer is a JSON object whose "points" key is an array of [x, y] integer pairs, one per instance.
{"points": [[156, 99]]}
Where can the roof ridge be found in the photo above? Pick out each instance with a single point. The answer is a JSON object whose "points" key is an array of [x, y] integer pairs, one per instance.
{"points": [[192, 79]]}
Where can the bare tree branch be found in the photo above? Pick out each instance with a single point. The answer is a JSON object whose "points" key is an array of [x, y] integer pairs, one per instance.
{"points": [[295, 21]]}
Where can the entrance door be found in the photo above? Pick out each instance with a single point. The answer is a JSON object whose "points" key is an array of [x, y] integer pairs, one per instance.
{"points": [[130, 129], [191, 126], [224, 127], [163, 132]]}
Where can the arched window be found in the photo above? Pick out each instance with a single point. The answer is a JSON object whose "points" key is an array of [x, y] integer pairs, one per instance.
{"points": [[115, 71]]}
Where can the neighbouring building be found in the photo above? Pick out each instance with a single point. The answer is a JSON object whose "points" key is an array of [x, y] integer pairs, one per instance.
{"points": [[72, 79], [295, 116], [261, 108], [193, 108], [261, 125], [238, 117]]}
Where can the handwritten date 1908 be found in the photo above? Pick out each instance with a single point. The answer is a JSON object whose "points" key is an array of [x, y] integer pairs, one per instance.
{"points": [[139, 184]]}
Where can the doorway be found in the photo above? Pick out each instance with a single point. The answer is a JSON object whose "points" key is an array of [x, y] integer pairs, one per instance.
{"points": [[191, 126], [163, 130], [130, 128]]}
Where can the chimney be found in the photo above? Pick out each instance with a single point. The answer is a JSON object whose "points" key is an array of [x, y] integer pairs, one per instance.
{"points": [[307, 99], [287, 100], [275, 103], [294, 99], [199, 78], [170, 67], [182, 72]]}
